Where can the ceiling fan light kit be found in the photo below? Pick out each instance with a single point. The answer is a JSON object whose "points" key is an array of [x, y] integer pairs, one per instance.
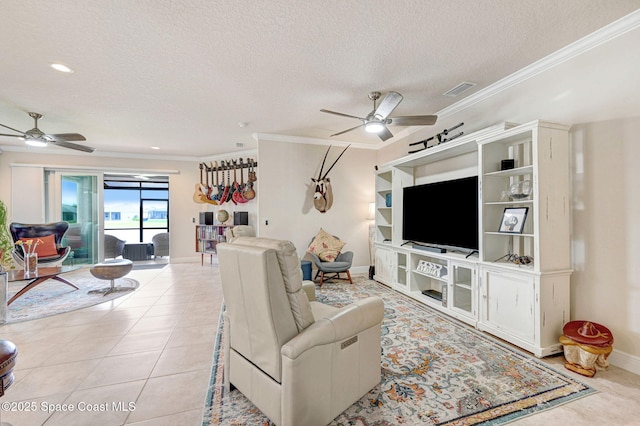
{"points": [[374, 127], [36, 137], [377, 120], [35, 142]]}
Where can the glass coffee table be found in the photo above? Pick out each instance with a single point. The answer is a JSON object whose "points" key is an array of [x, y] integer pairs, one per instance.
{"points": [[40, 276]]}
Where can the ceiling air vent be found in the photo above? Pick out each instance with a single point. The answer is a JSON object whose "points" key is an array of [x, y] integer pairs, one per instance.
{"points": [[462, 87], [239, 144]]}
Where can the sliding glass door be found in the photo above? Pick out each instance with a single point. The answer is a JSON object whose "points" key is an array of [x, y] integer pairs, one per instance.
{"points": [[155, 214], [135, 209], [75, 198]]}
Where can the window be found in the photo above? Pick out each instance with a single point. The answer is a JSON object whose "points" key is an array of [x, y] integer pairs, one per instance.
{"points": [[136, 209]]}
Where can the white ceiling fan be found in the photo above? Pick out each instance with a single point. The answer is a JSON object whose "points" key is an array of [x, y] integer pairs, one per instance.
{"points": [[37, 137], [378, 119]]}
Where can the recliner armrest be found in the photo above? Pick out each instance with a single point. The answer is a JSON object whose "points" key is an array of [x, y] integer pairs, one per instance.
{"points": [[345, 323], [309, 288]]}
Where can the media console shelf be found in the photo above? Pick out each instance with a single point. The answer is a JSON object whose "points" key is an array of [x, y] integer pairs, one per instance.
{"points": [[525, 304]]}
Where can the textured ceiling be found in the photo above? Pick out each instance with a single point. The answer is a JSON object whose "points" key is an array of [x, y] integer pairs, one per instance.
{"points": [[181, 75]]}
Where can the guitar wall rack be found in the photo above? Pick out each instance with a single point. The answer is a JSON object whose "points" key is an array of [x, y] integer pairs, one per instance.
{"points": [[230, 165]]}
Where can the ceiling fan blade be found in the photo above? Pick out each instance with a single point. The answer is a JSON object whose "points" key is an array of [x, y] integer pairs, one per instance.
{"points": [[13, 136], [414, 120], [385, 134], [15, 130], [75, 146], [388, 104], [348, 130], [340, 114], [67, 137]]}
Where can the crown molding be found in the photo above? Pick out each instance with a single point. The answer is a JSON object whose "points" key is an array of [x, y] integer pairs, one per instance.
{"points": [[127, 170], [158, 157], [310, 141]]}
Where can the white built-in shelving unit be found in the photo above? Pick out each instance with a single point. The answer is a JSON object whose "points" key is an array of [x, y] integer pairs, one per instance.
{"points": [[526, 305]]}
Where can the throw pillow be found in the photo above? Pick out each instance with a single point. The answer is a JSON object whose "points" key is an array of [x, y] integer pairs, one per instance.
{"points": [[326, 246], [45, 248]]}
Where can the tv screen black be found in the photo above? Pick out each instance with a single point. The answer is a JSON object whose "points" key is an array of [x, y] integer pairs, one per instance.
{"points": [[442, 213]]}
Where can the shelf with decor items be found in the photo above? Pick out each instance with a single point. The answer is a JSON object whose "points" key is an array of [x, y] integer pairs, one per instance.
{"points": [[429, 278], [524, 295], [517, 285], [540, 177], [443, 281], [207, 238], [384, 210]]}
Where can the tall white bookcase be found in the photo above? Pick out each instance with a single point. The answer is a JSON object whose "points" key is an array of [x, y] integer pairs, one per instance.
{"points": [[526, 305]]}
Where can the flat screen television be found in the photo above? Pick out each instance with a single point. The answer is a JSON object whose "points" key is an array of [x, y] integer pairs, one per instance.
{"points": [[443, 214]]}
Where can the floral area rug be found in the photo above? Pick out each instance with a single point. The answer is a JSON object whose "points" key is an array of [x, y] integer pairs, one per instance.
{"points": [[435, 371], [53, 297]]}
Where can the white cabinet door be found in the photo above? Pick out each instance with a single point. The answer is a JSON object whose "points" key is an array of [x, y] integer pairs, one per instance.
{"points": [[508, 303], [384, 265]]}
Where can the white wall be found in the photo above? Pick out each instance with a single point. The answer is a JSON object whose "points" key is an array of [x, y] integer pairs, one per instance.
{"points": [[605, 286], [286, 195]]}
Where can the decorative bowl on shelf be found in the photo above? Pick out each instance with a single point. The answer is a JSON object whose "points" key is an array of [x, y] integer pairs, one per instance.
{"points": [[520, 190]]}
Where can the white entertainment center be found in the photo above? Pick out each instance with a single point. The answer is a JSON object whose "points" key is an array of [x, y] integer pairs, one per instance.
{"points": [[525, 304]]}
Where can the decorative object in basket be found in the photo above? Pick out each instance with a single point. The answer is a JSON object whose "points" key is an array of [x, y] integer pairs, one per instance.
{"points": [[432, 269]]}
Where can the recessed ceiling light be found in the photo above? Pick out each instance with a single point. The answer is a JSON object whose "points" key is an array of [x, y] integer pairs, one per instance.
{"points": [[61, 68], [155, 147], [243, 124]]}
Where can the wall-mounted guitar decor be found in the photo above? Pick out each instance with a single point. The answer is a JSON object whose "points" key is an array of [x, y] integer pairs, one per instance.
{"points": [[323, 196], [216, 192]]}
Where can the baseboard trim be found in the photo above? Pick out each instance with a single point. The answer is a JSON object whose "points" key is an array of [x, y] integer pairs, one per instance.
{"points": [[359, 269], [625, 361]]}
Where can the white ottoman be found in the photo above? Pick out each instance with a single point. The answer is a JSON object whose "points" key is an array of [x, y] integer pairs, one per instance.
{"points": [[111, 270]]}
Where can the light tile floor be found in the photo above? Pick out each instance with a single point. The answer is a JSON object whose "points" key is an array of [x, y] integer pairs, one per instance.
{"points": [[151, 352], [152, 349]]}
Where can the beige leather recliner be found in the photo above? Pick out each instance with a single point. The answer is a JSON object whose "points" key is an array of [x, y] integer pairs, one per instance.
{"points": [[239, 231], [299, 362]]}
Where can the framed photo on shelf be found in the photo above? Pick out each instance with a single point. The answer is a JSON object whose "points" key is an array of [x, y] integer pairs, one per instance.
{"points": [[513, 220]]}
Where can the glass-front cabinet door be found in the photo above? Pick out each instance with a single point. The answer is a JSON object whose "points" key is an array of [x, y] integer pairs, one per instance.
{"points": [[463, 285]]}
